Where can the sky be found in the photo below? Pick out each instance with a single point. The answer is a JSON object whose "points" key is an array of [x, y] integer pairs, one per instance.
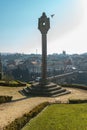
{"points": [[19, 26]]}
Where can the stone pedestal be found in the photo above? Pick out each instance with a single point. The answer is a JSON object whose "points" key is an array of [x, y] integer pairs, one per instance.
{"points": [[48, 90]]}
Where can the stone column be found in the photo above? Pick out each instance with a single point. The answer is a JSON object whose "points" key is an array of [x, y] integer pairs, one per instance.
{"points": [[43, 26], [44, 58]]}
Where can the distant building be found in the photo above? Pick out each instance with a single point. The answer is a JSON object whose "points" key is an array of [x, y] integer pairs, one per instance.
{"points": [[69, 66], [64, 52]]}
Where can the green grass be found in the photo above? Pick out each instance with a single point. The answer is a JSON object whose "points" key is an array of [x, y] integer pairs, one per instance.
{"points": [[12, 83], [60, 117]]}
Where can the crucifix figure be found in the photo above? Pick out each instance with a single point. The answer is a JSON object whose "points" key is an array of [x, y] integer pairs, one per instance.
{"points": [[44, 26]]}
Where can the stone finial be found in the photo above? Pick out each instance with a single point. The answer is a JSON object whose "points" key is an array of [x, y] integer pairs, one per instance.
{"points": [[43, 23]]}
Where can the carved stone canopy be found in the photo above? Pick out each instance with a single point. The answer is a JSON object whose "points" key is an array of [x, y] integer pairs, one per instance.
{"points": [[43, 23]]}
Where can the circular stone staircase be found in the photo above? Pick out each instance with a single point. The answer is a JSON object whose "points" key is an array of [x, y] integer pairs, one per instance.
{"points": [[48, 90]]}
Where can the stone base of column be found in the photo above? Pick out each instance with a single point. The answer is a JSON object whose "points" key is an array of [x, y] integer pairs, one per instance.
{"points": [[48, 90]]}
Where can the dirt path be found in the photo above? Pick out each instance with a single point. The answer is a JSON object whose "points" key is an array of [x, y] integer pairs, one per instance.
{"points": [[10, 111]]}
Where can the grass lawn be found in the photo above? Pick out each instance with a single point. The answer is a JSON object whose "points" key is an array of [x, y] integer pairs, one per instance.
{"points": [[11, 91], [60, 117]]}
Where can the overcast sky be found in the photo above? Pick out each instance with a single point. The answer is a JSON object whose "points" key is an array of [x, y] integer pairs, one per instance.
{"points": [[19, 26]]}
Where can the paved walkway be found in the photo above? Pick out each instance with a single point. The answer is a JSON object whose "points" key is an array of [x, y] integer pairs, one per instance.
{"points": [[15, 109]]}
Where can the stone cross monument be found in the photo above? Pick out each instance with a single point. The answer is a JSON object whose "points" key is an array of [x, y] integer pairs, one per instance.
{"points": [[44, 26], [44, 88]]}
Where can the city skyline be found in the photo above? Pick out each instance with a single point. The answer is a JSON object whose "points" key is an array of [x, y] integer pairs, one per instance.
{"points": [[19, 26]]}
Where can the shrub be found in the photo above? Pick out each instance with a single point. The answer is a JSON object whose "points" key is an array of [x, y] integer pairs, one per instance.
{"points": [[77, 101], [75, 86], [19, 123], [4, 99]]}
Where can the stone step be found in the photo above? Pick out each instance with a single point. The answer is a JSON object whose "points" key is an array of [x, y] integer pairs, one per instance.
{"points": [[46, 92], [26, 90], [60, 94], [50, 85], [43, 89], [53, 88], [49, 95], [49, 90], [33, 93], [57, 91], [21, 92]]}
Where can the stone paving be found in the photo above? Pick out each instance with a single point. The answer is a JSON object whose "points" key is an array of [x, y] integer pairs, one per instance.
{"points": [[15, 109]]}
